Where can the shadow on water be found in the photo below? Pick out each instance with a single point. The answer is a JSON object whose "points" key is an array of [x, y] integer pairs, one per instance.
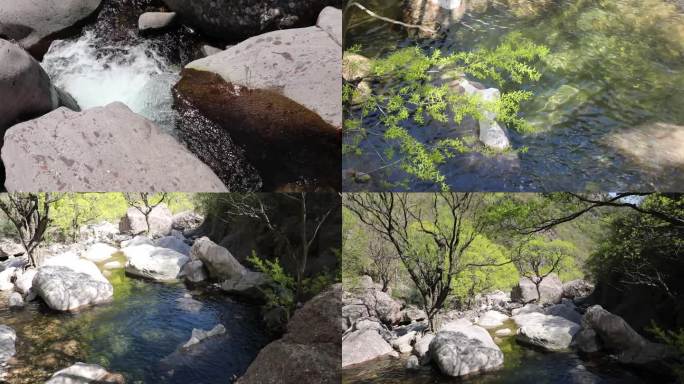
{"points": [[139, 334], [614, 76]]}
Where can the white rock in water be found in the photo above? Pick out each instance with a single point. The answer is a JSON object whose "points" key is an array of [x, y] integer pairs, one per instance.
{"points": [[15, 300], [155, 20], [491, 133], [503, 332], [199, 335], [64, 289], [492, 319], [81, 373], [448, 4], [155, 263]]}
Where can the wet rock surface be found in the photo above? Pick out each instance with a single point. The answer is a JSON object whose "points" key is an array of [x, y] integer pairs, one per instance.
{"points": [[104, 148], [240, 19]]}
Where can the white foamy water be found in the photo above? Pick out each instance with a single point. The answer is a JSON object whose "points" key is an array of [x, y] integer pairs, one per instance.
{"points": [[96, 73]]}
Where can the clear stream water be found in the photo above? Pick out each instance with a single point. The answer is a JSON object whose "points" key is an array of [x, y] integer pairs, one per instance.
{"points": [[521, 366], [616, 66], [139, 334]]}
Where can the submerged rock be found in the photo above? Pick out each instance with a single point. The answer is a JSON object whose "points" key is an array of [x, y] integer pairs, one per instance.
{"points": [[161, 264], [492, 134], [25, 88], [8, 338], [239, 19], [310, 350], [81, 373], [465, 350], [64, 289], [100, 149], [285, 91], [34, 24], [99, 252], [199, 335]]}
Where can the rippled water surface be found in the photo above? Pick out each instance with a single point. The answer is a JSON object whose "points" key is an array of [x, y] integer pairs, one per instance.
{"points": [[139, 335], [616, 70]]}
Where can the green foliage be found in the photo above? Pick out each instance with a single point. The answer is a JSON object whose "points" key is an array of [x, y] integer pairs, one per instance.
{"points": [[674, 339], [421, 97], [281, 295], [478, 279], [74, 210]]}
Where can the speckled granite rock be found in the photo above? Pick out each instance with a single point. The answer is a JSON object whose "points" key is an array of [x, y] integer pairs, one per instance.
{"points": [[101, 149]]}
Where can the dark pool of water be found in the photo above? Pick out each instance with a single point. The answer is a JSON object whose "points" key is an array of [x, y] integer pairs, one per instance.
{"points": [[139, 335], [521, 366], [615, 66]]}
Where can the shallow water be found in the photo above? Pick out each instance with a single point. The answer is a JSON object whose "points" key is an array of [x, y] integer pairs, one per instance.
{"points": [[521, 366], [615, 66], [139, 334]]}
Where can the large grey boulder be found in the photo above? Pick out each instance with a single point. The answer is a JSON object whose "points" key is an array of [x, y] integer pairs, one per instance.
{"points": [[617, 336], [193, 271], [160, 221], [34, 23], [217, 260], [310, 350], [284, 88], [71, 260], [101, 149], [156, 263], [551, 290], [64, 289], [25, 88], [364, 345], [465, 351], [249, 284], [565, 310], [421, 348], [239, 19], [552, 333], [81, 373]]}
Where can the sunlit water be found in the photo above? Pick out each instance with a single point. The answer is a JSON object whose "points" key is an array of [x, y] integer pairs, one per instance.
{"points": [[139, 334], [615, 66], [97, 72], [521, 366]]}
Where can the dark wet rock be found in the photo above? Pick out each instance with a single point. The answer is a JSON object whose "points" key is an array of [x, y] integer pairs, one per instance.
{"points": [[101, 149], [66, 100], [64, 289], [153, 21], [81, 373], [620, 338], [248, 284], [587, 341], [550, 289], [173, 242], [239, 19], [284, 89], [34, 24], [187, 220], [576, 289], [194, 271], [25, 88], [310, 350], [566, 310], [160, 221]]}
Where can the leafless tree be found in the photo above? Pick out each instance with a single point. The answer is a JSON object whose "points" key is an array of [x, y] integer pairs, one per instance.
{"points": [[429, 234], [538, 258], [254, 205], [384, 261], [30, 216], [145, 203]]}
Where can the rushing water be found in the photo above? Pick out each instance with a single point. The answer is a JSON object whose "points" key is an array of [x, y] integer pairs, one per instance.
{"points": [[97, 72], [616, 68], [139, 334], [521, 366]]}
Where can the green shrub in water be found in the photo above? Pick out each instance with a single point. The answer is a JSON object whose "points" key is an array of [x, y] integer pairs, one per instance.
{"points": [[423, 94]]}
